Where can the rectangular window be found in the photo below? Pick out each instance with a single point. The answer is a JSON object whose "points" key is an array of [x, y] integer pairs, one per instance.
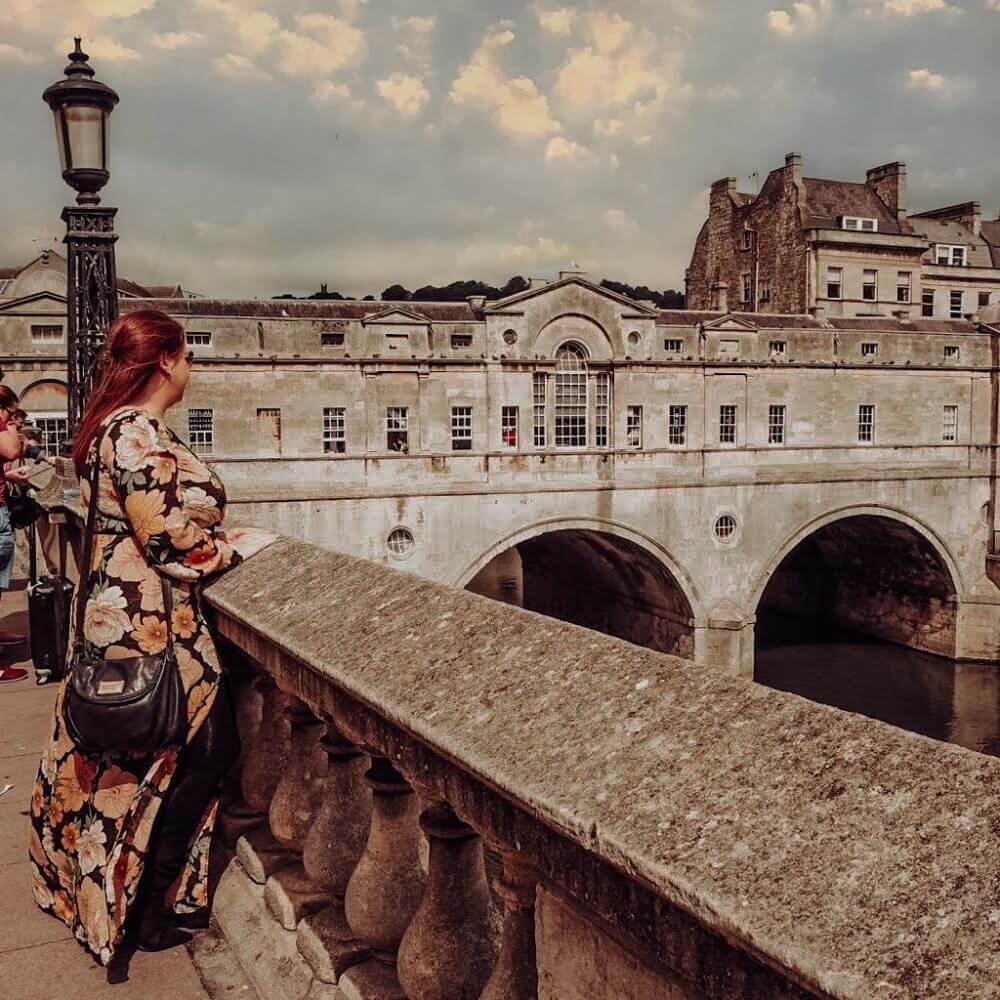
{"points": [[727, 424], [332, 338], [927, 302], [54, 430], [869, 285], [903, 284], [397, 429], [461, 428], [748, 239], [46, 334], [866, 423], [678, 416], [777, 347], [949, 430], [765, 290], [198, 338], [951, 352], [949, 253], [460, 341], [268, 431], [869, 349], [984, 299], [673, 346], [508, 426], [857, 224], [201, 431], [955, 304], [745, 287], [539, 437], [834, 282], [571, 408], [633, 427], [776, 424], [602, 409], [334, 430]]}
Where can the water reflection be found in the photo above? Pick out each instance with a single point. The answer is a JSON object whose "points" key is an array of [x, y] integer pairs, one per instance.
{"points": [[956, 702]]}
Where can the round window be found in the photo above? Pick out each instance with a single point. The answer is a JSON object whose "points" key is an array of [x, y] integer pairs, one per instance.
{"points": [[725, 527], [634, 339], [510, 337], [400, 542]]}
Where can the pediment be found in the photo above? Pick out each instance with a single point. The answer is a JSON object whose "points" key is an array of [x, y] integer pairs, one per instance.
{"points": [[37, 302], [513, 302], [730, 323], [395, 315]]}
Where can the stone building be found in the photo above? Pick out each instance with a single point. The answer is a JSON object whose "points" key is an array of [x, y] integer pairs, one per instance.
{"points": [[664, 476], [840, 248]]}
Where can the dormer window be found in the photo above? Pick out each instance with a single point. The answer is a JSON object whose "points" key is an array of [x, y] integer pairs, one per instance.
{"points": [[461, 341], [858, 224], [950, 253], [748, 239], [331, 338]]}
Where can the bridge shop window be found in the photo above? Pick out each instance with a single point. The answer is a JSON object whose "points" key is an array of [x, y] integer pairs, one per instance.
{"points": [[461, 428], [866, 423], [334, 430], [602, 409], [869, 284], [508, 426], [677, 426], [869, 349], [777, 348], [949, 428], [201, 431], [834, 282], [727, 424], [673, 345], [397, 432], [46, 333], [776, 424], [927, 302], [461, 341], [571, 396], [955, 304], [539, 437], [633, 427], [951, 352], [332, 338], [198, 338]]}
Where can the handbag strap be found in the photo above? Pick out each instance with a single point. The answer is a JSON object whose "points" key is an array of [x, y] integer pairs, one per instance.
{"points": [[88, 554]]}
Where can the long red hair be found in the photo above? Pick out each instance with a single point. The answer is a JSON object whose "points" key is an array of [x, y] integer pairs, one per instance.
{"points": [[131, 353]]}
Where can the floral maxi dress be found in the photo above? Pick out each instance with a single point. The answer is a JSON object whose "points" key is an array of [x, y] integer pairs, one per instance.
{"points": [[160, 511]]}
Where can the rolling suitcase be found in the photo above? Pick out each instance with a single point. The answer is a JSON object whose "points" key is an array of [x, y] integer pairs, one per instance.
{"points": [[49, 601]]}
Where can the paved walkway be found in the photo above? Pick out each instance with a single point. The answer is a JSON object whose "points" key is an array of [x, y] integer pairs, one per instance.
{"points": [[39, 959]]}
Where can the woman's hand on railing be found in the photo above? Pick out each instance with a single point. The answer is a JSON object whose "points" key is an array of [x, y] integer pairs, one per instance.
{"points": [[248, 541]]}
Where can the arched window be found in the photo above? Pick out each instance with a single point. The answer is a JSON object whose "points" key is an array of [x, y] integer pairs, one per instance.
{"points": [[571, 396]]}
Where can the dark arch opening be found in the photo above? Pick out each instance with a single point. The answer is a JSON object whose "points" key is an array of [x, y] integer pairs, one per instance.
{"points": [[597, 580]]}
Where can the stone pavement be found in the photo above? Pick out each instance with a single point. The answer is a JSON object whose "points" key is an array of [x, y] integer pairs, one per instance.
{"points": [[39, 959]]}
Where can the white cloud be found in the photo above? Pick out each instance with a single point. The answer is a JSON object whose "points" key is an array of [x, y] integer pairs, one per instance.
{"points": [[14, 54], [407, 94], [103, 48], [907, 8], [619, 220], [518, 107], [607, 127], [803, 19], [561, 148], [322, 45], [171, 40], [418, 25], [557, 22], [722, 92], [256, 29], [925, 79], [116, 8], [238, 67]]}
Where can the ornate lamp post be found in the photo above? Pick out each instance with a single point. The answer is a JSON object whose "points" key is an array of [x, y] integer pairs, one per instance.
{"points": [[82, 107]]}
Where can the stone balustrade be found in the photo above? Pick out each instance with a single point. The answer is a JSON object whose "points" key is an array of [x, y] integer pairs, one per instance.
{"points": [[651, 829]]}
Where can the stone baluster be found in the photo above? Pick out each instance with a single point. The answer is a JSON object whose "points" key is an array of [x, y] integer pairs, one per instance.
{"points": [[515, 975], [386, 886], [289, 893], [448, 950], [236, 816], [264, 763], [333, 848]]}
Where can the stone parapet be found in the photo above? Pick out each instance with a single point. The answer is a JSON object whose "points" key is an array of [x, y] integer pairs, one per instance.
{"points": [[678, 833]]}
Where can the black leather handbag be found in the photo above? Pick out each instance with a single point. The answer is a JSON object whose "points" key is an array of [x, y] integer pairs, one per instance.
{"points": [[21, 506], [132, 705]]}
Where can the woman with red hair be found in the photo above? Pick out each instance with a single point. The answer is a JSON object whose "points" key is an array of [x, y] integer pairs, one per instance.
{"points": [[110, 831]]}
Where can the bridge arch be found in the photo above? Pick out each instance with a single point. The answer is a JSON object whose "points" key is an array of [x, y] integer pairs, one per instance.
{"points": [[872, 569], [596, 573]]}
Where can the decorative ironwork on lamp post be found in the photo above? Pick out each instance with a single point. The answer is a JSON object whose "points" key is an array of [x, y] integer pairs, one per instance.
{"points": [[82, 108]]}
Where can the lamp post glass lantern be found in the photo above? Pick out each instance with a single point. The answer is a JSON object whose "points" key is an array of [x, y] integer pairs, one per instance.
{"points": [[81, 107]]}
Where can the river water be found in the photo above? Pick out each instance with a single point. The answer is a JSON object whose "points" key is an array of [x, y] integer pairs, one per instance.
{"points": [[955, 702]]}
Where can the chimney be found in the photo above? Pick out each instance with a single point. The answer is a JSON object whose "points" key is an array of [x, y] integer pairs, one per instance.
{"points": [[476, 302], [572, 272], [322, 288], [537, 282], [793, 162], [720, 296], [889, 183]]}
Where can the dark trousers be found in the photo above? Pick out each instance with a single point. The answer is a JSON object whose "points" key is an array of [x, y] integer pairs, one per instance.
{"points": [[200, 769]]}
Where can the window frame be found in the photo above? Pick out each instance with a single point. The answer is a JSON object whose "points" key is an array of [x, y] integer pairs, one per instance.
{"points": [[539, 430], [777, 348], [633, 423], [859, 224], [746, 287], [397, 422], [776, 415], [602, 410], [832, 282], [904, 289], [678, 349], [952, 313], [866, 427], [189, 334], [461, 427], [927, 302], [728, 418], [509, 421], [677, 429], [949, 423], [869, 286], [334, 430], [332, 338], [869, 348], [945, 254], [205, 446], [748, 239], [572, 403], [461, 341], [41, 333], [952, 352]]}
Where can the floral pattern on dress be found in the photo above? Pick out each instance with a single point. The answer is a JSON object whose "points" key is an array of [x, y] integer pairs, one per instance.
{"points": [[160, 511]]}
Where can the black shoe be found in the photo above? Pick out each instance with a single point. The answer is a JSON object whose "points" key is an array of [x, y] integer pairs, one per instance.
{"points": [[158, 930]]}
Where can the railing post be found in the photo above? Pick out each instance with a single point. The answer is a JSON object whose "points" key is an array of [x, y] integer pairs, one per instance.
{"points": [[448, 950], [236, 816], [290, 894], [333, 848], [515, 975], [385, 888]]}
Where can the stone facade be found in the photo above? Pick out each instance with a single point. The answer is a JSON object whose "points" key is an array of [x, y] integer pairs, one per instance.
{"points": [[838, 248]]}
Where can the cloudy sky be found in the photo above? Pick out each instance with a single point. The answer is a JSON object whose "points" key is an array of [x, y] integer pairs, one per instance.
{"points": [[264, 146]]}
